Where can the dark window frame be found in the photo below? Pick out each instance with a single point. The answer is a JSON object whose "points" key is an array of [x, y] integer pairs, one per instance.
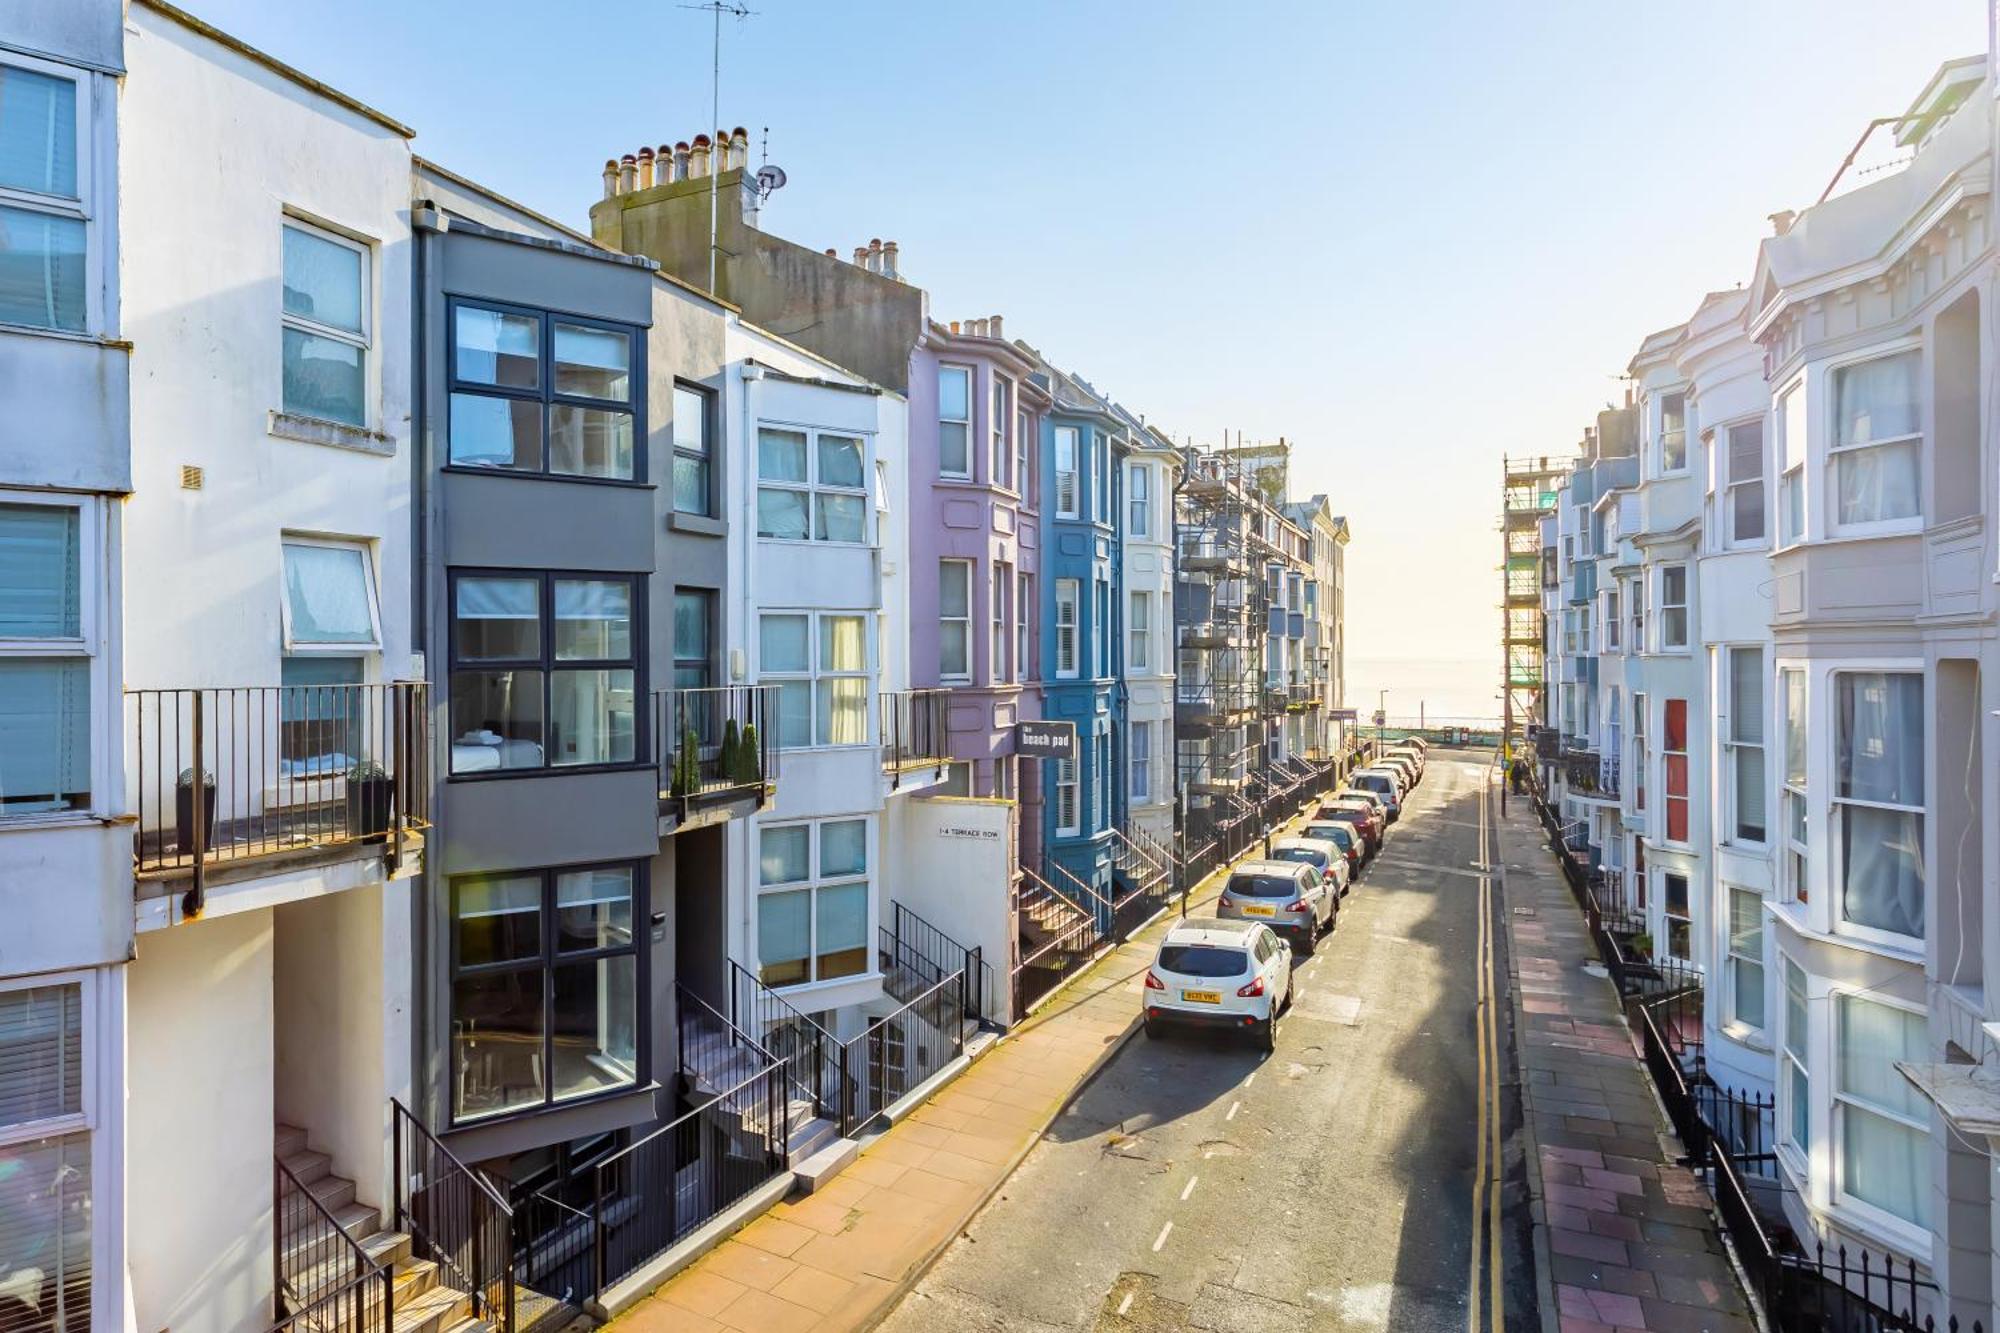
{"points": [[710, 430], [546, 960], [545, 393], [711, 601], [547, 664]]}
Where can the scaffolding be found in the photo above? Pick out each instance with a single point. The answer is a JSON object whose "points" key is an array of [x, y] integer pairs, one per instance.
{"points": [[1229, 537], [1528, 495]]}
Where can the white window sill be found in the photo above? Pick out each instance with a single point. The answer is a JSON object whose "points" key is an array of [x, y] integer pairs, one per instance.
{"points": [[54, 819], [334, 434], [1756, 1039]]}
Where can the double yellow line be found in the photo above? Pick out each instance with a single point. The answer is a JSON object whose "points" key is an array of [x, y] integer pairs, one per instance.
{"points": [[1487, 1161]]}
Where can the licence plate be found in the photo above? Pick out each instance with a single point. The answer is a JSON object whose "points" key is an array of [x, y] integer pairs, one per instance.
{"points": [[1260, 911], [1202, 996]]}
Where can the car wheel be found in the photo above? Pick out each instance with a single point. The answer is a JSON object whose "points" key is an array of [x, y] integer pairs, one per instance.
{"points": [[1308, 941], [1267, 1036], [1152, 1030]]}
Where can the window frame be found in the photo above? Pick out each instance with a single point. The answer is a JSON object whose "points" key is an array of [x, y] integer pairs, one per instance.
{"points": [[1073, 626], [1024, 606], [364, 341], [1790, 450], [548, 666], [1835, 804], [1069, 475], [1732, 747], [1667, 608], [1066, 778], [87, 645], [1834, 450], [1731, 484], [1795, 870], [544, 393], [1139, 761], [815, 674], [1139, 632], [296, 647], [1000, 448], [81, 208], [1668, 469], [812, 488], [711, 420], [1139, 500], [998, 637], [710, 599], [1669, 796], [1794, 1086], [1844, 1103], [962, 567], [1683, 918], [1024, 451], [811, 885], [547, 959], [1736, 961], [971, 411], [86, 1118]]}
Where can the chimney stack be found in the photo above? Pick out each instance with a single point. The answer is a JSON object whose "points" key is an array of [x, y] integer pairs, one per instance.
{"points": [[628, 174], [889, 260], [1782, 220], [645, 168], [610, 177]]}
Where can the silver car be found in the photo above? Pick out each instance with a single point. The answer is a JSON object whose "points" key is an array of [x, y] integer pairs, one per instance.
{"points": [[1290, 897]]}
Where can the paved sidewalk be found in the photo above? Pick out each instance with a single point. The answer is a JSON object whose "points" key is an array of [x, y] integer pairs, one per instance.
{"points": [[841, 1257], [1631, 1242]]}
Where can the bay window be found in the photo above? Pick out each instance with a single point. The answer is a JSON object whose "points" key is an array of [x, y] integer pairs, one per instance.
{"points": [[819, 662], [997, 420], [812, 902], [955, 620], [1743, 743], [325, 318], [1744, 462], [1878, 799], [1794, 1088], [1139, 482], [1746, 958], [811, 485], [546, 980], [1881, 1121], [1673, 606], [1673, 432], [545, 670], [1068, 593], [1877, 439], [1139, 632], [48, 640], [544, 393], [1066, 481], [45, 196], [46, 1115], [955, 422], [1792, 682]]}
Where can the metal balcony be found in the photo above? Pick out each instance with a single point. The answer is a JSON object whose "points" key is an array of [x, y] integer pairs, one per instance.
{"points": [[717, 749]]}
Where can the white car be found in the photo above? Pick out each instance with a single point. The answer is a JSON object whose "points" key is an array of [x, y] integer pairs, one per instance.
{"points": [[1323, 855], [1222, 974]]}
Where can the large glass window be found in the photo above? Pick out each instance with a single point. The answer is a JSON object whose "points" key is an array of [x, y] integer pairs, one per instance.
{"points": [[545, 988], [1745, 482], [1882, 1122], [1878, 799], [544, 671], [955, 422], [1066, 478], [694, 630], [1746, 957], [1877, 439], [955, 619], [325, 326], [811, 485], [536, 392], [813, 901], [45, 1155], [819, 662], [45, 661], [1068, 593], [44, 219], [1743, 745], [1673, 432], [694, 431]]}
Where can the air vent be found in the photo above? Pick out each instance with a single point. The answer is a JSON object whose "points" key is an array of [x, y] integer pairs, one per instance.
{"points": [[190, 477]]}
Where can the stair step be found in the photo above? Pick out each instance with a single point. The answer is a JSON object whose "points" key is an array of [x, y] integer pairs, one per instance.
{"points": [[307, 1166], [809, 1136], [432, 1311], [414, 1277], [290, 1139], [333, 1192]]}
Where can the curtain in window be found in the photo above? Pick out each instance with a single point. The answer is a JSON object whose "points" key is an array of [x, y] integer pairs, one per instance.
{"points": [[41, 1054], [37, 132], [843, 703], [783, 854], [326, 591], [1879, 483], [1877, 400], [1795, 728], [44, 734], [781, 456], [45, 1230], [839, 461], [1881, 752], [593, 619], [40, 572], [1882, 1160], [784, 937], [322, 281], [843, 847]]}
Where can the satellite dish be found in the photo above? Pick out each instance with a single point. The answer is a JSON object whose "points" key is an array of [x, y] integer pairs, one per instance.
{"points": [[770, 178]]}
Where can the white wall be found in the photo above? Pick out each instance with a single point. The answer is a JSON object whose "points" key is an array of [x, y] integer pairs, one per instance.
{"points": [[199, 1132], [946, 848]]}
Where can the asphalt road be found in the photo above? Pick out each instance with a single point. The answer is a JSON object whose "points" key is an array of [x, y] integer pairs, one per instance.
{"points": [[1196, 1184]]}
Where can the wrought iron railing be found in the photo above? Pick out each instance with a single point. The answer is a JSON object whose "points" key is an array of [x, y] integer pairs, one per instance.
{"points": [[454, 1217], [326, 1282], [912, 943], [898, 1051], [806, 1051], [232, 774], [716, 742], [913, 732]]}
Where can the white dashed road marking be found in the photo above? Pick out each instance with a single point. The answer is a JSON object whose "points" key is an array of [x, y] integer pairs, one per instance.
{"points": [[1161, 1239]]}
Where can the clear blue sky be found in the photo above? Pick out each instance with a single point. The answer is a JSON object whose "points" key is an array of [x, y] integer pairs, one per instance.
{"points": [[1410, 237]]}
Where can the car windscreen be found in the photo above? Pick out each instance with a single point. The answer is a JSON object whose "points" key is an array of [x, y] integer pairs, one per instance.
{"points": [[1262, 886], [1339, 834], [1203, 960], [1374, 782], [1303, 854], [1346, 816]]}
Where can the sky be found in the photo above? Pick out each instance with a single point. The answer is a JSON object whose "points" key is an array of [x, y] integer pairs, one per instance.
{"points": [[1410, 238]]}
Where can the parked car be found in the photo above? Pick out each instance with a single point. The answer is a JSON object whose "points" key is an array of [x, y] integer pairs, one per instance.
{"points": [[1364, 815], [1323, 855], [1346, 836], [1293, 899], [1216, 973], [1411, 754], [1400, 763], [1385, 785]]}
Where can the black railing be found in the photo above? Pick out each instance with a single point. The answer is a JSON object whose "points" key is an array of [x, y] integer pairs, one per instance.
{"points": [[232, 774], [1588, 773], [913, 732], [807, 1052], [716, 742], [326, 1283], [713, 1051], [1056, 939], [454, 1217], [899, 1051], [915, 944]]}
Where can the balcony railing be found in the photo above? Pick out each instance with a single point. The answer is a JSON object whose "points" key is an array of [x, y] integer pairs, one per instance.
{"points": [[716, 743], [913, 731], [1591, 774], [237, 773]]}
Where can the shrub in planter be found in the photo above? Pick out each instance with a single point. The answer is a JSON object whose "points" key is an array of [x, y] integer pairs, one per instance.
{"points": [[687, 765], [184, 810], [748, 771], [725, 762], [370, 801]]}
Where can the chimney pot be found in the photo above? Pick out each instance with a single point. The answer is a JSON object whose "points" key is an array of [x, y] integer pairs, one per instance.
{"points": [[645, 168], [954, 326], [889, 259], [994, 324], [628, 173], [610, 177], [861, 256], [1782, 220], [663, 164], [681, 160], [698, 158]]}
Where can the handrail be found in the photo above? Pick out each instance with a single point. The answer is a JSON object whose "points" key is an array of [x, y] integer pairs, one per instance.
{"points": [[478, 1179], [349, 1292], [470, 1232], [853, 1099], [783, 1032]]}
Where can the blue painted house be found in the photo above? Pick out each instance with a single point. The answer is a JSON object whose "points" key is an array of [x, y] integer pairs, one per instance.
{"points": [[1083, 439]]}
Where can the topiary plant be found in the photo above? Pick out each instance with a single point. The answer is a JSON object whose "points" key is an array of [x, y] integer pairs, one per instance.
{"points": [[687, 764], [725, 762], [748, 770]]}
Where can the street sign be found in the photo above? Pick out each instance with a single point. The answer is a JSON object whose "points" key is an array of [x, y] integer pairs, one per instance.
{"points": [[1344, 714], [1045, 740], [1380, 717]]}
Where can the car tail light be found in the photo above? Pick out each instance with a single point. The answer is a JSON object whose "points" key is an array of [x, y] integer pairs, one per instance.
{"points": [[1154, 983], [1298, 906], [1253, 990]]}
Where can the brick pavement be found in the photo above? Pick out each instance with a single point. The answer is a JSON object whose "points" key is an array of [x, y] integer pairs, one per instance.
{"points": [[1631, 1241]]}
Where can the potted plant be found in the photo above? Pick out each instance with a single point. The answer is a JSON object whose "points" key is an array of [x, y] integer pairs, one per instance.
{"points": [[1641, 945], [726, 761], [370, 801], [749, 767], [687, 765], [184, 810]]}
